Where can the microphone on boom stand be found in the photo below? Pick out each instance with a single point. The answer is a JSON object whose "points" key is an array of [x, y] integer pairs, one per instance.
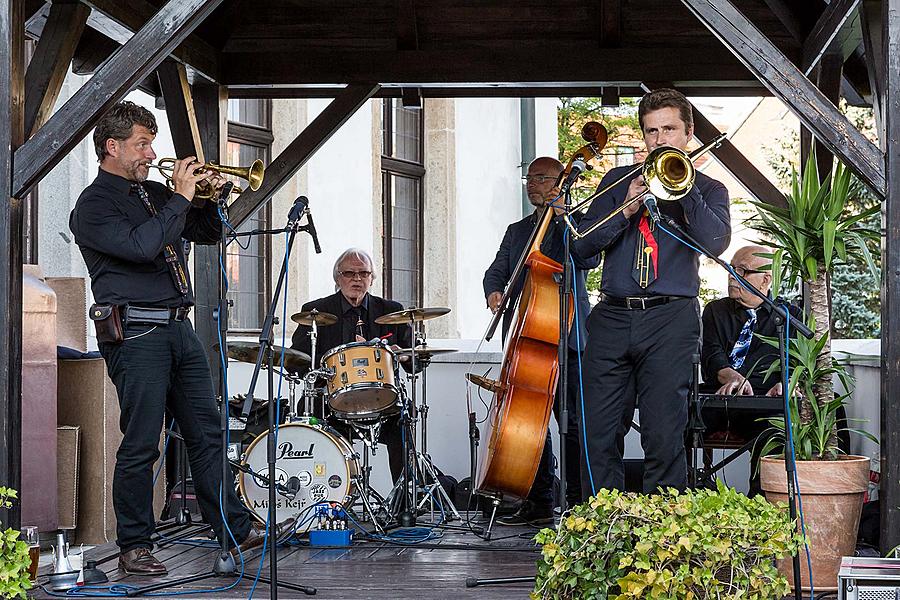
{"points": [[301, 206]]}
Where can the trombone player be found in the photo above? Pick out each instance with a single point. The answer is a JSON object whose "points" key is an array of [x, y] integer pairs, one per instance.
{"points": [[129, 231], [647, 323]]}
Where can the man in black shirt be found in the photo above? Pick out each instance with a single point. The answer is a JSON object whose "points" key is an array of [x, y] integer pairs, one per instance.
{"points": [[129, 231], [647, 323], [540, 182], [356, 310]]}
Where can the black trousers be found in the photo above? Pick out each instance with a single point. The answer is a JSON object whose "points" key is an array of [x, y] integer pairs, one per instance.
{"points": [[542, 489], [651, 348], [166, 367]]}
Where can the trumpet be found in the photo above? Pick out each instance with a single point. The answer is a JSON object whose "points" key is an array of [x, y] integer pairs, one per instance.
{"points": [[668, 174], [205, 191]]}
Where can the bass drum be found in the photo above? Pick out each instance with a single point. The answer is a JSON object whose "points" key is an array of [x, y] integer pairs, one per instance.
{"points": [[315, 461]]}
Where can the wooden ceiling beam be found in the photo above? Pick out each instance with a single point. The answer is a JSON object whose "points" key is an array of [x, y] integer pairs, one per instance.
{"points": [[94, 49], [193, 51], [471, 66], [50, 63], [407, 27], [610, 13], [837, 15], [295, 155], [787, 82], [176, 91], [872, 28], [134, 61]]}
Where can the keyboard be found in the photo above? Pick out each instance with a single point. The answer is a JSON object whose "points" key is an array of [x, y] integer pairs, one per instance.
{"points": [[763, 403]]}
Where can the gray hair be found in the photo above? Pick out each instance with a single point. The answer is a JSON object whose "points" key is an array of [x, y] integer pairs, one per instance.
{"points": [[357, 253]]}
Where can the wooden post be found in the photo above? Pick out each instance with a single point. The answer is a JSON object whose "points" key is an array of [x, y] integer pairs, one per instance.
{"points": [[12, 134], [890, 290]]}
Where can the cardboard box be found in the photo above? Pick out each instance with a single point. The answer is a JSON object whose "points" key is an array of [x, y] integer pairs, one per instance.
{"points": [[71, 315], [88, 400], [67, 458]]}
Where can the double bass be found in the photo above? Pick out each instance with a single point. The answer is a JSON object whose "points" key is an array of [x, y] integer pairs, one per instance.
{"points": [[519, 412]]}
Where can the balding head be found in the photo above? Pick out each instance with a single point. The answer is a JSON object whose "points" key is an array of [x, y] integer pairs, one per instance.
{"points": [[540, 183], [755, 269]]}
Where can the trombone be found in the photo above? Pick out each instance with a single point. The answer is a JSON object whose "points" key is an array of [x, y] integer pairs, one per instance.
{"points": [[668, 173], [204, 191]]}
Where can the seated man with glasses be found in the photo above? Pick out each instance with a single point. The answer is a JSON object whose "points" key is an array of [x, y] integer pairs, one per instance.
{"points": [[733, 358], [356, 310]]}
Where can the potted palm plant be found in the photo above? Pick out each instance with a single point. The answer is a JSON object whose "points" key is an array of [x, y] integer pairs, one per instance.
{"points": [[810, 235]]}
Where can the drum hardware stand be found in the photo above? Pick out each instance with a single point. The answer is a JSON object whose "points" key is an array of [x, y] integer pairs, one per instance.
{"points": [[366, 492]]}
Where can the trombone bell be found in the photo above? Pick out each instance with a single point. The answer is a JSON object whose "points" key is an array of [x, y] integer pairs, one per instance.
{"points": [[668, 173]]}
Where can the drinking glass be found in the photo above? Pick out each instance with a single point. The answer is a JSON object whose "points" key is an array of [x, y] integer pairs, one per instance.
{"points": [[31, 537]]}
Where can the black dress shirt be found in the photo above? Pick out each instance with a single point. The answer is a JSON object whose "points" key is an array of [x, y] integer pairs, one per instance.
{"points": [[723, 320], [703, 212], [351, 317], [496, 278], [122, 244]]}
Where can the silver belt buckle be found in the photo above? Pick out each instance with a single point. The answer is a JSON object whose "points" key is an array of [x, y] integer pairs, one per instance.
{"points": [[641, 298]]}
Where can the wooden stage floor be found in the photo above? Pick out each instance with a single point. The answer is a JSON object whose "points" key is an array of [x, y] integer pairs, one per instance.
{"points": [[374, 570]]}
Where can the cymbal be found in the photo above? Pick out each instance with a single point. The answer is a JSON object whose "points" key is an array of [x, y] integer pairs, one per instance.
{"points": [[491, 385], [248, 352], [308, 316], [425, 351], [402, 317]]}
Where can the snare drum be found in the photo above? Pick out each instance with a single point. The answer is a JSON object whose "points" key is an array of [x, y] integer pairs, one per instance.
{"points": [[362, 383], [316, 462]]}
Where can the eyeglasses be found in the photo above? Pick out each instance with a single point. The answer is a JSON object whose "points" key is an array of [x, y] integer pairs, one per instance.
{"points": [[355, 274], [540, 179], [744, 271]]}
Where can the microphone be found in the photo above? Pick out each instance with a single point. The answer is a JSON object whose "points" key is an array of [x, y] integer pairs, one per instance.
{"points": [[652, 208], [292, 486], [312, 232], [297, 209], [578, 167], [225, 192]]}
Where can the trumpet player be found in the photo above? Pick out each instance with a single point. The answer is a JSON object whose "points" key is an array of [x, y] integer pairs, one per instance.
{"points": [[646, 326], [129, 231]]}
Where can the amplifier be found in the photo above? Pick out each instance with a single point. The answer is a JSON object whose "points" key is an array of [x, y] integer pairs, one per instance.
{"points": [[869, 578]]}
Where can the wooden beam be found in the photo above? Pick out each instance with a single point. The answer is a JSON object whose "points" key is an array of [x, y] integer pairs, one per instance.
{"points": [[890, 284], [407, 28], [610, 96], [835, 16], [193, 50], [12, 134], [210, 104], [51, 60], [471, 66], [786, 81], [872, 28], [498, 91], [295, 155], [176, 91], [138, 58], [737, 164], [94, 49], [610, 14]]}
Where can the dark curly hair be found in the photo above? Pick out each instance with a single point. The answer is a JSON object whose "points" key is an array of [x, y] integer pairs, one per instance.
{"points": [[118, 122], [664, 98]]}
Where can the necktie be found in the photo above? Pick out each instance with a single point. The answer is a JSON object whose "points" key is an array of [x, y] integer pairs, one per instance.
{"points": [[646, 257], [742, 345], [176, 270], [359, 322]]}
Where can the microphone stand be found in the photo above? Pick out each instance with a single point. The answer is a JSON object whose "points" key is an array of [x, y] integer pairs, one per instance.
{"points": [[782, 316]]}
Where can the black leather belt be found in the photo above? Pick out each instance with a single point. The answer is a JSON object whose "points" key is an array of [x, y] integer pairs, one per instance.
{"points": [[154, 315], [638, 302]]}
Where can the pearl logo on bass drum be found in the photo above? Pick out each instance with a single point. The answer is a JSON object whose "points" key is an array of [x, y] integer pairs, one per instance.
{"points": [[286, 451]]}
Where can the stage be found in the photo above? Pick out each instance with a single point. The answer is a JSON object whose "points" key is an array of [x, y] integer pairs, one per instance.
{"points": [[369, 569]]}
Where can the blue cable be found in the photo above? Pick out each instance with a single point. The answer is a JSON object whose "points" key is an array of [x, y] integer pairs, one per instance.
{"points": [[580, 378]]}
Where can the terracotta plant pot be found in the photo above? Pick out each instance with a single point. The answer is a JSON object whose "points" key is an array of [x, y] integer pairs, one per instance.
{"points": [[832, 494]]}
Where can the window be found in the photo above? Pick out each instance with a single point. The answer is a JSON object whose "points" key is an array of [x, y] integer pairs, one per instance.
{"points": [[249, 138], [402, 170]]}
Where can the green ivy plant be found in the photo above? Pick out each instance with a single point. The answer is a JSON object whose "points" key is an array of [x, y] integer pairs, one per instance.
{"points": [[14, 560], [689, 545]]}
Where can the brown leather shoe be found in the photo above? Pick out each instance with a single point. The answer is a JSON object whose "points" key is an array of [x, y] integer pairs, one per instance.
{"points": [[257, 537], [140, 562]]}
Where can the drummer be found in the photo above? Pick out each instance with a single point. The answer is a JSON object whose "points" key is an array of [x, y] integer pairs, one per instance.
{"points": [[356, 310]]}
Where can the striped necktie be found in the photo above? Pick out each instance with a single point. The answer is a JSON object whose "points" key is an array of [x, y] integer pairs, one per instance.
{"points": [[646, 260], [176, 269], [742, 345]]}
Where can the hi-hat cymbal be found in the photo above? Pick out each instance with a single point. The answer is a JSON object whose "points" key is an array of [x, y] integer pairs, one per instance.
{"points": [[248, 352], [403, 317], [426, 351], [308, 316]]}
